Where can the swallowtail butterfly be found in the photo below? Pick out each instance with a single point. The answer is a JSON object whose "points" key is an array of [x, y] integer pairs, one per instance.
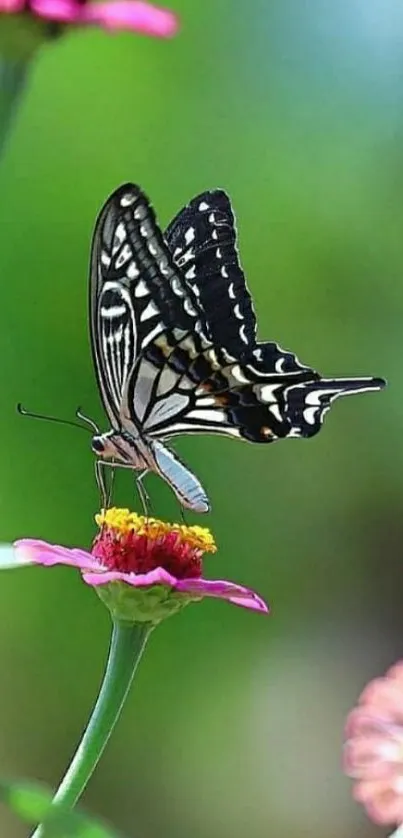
{"points": [[173, 336]]}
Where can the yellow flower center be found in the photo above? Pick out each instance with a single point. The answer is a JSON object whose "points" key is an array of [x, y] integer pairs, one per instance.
{"points": [[122, 521]]}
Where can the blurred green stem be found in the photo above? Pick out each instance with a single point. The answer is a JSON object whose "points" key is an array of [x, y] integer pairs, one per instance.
{"points": [[127, 645], [13, 77]]}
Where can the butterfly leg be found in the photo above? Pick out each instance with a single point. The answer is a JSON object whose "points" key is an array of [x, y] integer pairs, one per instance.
{"points": [[144, 496], [100, 465], [104, 490], [182, 514], [110, 490], [101, 483]]}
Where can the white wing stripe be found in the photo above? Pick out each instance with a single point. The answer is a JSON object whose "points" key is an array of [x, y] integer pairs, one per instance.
{"points": [[146, 375], [141, 289], [109, 368], [112, 311], [151, 335], [211, 416], [127, 354], [150, 311], [165, 410]]}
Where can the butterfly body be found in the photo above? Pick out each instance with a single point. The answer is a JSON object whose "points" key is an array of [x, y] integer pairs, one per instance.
{"points": [[145, 454], [173, 335]]}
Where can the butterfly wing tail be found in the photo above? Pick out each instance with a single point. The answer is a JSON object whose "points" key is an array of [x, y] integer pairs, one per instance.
{"points": [[308, 402]]}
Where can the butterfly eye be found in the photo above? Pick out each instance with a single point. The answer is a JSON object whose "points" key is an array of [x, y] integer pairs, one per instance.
{"points": [[98, 445]]}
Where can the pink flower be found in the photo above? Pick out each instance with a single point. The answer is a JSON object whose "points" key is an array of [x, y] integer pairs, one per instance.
{"points": [[134, 15], [144, 569], [373, 754]]}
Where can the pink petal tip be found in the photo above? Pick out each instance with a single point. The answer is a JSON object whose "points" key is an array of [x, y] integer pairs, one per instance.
{"points": [[61, 11], [40, 552], [132, 15], [10, 7]]}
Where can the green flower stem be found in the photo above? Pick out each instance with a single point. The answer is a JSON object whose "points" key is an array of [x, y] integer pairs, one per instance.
{"points": [[127, 645], [13, 77]]}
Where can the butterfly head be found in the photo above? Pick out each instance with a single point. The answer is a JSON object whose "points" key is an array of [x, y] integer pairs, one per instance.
{"points": [[104, 445], [98, 445], [118, 446]]}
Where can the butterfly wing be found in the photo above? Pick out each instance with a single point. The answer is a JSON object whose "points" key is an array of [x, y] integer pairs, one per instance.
{"points": [[201, 389], [267, 393], [203, 241], [135, 292]]}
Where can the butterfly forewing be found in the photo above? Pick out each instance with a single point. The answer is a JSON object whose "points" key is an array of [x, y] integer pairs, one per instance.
{"points": [[203, 241], [136, 291]]}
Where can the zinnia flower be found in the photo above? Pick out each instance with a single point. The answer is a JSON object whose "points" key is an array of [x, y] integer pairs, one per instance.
{"points": [[134, 15], [143, 569], [373, 754]]}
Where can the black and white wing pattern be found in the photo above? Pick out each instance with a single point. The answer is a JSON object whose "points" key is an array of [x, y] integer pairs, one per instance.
{"points": [[171, 353], [203, 241], [224, 396], [136, 292]]}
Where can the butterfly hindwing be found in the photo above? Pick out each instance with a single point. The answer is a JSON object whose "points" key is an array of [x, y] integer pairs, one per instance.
{"points": [[207, 391]]}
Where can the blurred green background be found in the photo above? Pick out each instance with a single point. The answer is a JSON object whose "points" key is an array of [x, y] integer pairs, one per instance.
{"points": [[234, 726]]}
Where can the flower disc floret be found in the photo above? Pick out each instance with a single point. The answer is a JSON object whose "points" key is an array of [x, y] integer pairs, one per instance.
{"points": [[133, 543]]}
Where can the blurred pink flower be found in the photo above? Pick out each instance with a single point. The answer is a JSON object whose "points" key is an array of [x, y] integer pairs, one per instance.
{"points": [[143, 553], [134, 15], [373, 754]]}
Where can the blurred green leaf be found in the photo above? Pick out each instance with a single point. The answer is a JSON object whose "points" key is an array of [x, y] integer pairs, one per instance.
{"points": [[33, 803]]}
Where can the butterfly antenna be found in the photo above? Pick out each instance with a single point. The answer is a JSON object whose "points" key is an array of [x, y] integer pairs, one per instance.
{"points": [[23, 412], [87, 420]]}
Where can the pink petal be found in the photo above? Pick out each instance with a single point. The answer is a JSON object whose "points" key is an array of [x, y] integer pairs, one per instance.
{"points": [[64, 11], [382, 803], [386, 812], [9, 560], [386, 696], [40, 552], [365, 720], [396, 672], [11, 6], [371, 757], [159, 576], [236, 594], [131, 14]]}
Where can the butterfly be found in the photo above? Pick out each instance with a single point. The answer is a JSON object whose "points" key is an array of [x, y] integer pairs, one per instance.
{"points": [[173, 336]]}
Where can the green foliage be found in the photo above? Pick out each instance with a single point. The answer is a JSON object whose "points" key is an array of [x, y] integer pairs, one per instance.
{"points": [[33, 803]]}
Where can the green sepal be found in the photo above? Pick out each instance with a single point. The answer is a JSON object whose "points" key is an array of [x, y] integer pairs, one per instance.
{"points": [[142, 605]]}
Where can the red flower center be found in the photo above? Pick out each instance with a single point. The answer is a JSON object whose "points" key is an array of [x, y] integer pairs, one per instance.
{"points": [[130, 552], [131, 543]]}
